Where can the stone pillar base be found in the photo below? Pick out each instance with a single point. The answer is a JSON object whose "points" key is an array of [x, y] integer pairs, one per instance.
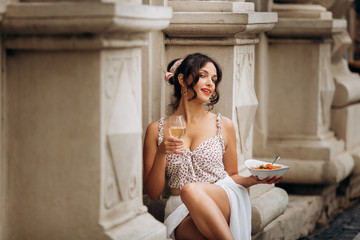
{"points": [[141, 227]]}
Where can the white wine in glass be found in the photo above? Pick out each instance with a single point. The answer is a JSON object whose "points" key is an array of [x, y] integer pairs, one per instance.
{"points": [[177, 126]]}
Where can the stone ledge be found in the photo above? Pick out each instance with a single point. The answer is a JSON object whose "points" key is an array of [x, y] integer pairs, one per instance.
{"points": [[267, 207], [211, 6], [220, 24], [83, 17], [288, 27], [306, 21], [74, 42], [231, 41], [301, 11], [142, 227], [297, 221]]}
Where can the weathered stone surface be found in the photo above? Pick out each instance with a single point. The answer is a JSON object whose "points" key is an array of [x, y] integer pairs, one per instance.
{"points": [[130, 230], [302, 20], [345, 122], [79, 18], [209, 6], [346, 82], [237, 19], [341, 42], [297, 221], [257, 190], [267, 207]]}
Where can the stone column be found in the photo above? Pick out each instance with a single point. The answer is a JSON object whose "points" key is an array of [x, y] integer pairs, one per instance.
{"points": [[301, 90], [153, 73], [71, 125], [298, 92], [345, 112], [226, 31]]}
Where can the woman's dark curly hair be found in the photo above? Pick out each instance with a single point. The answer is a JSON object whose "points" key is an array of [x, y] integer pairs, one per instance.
{"points": [[191, 65]]}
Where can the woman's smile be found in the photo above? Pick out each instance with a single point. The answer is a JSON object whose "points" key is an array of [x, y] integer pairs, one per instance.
{"points": [[207, 91]]}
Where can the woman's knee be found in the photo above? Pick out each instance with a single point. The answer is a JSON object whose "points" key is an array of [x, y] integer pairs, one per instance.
{"points": [[190, 190]]}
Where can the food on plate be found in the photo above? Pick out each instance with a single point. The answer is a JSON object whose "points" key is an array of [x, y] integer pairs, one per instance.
{"points": [[268, 166]]}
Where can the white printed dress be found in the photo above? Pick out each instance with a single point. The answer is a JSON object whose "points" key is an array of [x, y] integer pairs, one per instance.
{"points": [[205, 164]]}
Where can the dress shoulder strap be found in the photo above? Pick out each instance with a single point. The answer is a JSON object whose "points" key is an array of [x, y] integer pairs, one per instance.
{"points": [[218, 124], [161, 131], [219, 127]]}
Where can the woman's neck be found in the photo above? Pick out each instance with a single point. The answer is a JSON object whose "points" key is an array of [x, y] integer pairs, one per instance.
{"points": [[191, 111]]}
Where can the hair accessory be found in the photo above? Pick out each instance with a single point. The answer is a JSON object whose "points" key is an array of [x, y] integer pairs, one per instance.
{"points": [[173, 68]]}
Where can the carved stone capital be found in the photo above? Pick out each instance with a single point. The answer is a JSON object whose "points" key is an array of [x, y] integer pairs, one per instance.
{"points": [[80, 25], [218, 19], [304, 20], [90, 18]]}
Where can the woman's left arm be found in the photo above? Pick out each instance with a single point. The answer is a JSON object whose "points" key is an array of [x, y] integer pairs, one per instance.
{"points": [[230, 158]]}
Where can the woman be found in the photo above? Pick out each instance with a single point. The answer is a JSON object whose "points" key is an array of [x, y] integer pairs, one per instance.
{"points": [[209, 199]]}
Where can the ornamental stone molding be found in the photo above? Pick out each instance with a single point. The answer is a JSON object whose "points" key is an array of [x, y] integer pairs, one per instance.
{"points": [[80, 25], [215, 19], [83, 17], [303, 20]]}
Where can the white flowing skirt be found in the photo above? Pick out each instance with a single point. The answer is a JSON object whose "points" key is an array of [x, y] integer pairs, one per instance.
{"points": [[240, 207]]}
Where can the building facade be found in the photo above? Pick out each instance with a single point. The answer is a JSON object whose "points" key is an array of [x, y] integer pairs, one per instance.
{"points": [[81, 80]]}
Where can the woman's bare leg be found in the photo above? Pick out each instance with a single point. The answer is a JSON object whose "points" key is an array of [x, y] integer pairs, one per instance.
{"points": [[187, 230], [209, 209]]}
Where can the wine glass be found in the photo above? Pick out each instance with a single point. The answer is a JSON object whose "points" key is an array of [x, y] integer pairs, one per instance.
{"points": [[177, 126]]}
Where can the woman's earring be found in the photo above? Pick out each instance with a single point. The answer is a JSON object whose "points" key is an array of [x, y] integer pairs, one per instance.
{"points": [[184, 92]]}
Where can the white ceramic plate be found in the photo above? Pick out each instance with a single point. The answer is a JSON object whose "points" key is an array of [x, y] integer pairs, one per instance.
{"points": [[262, 173]]}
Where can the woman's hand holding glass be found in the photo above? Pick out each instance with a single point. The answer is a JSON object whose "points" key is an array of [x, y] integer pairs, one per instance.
{"points": [[171, 145]]}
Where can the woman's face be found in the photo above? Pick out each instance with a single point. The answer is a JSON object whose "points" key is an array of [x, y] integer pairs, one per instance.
{"points": [[205, 87]]}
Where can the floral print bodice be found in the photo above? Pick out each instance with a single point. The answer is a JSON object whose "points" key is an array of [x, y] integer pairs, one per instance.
{"points": [[203, 164]]}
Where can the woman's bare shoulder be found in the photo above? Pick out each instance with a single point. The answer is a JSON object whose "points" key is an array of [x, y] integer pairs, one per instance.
{"points": [[153, 129], [227, 123]]}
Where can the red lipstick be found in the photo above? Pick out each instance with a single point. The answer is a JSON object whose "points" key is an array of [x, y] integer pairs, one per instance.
{"points": [[206, 91]]}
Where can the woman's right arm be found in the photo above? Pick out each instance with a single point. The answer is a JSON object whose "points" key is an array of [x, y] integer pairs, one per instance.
{"points": [[154, 163], [155, 160]]}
